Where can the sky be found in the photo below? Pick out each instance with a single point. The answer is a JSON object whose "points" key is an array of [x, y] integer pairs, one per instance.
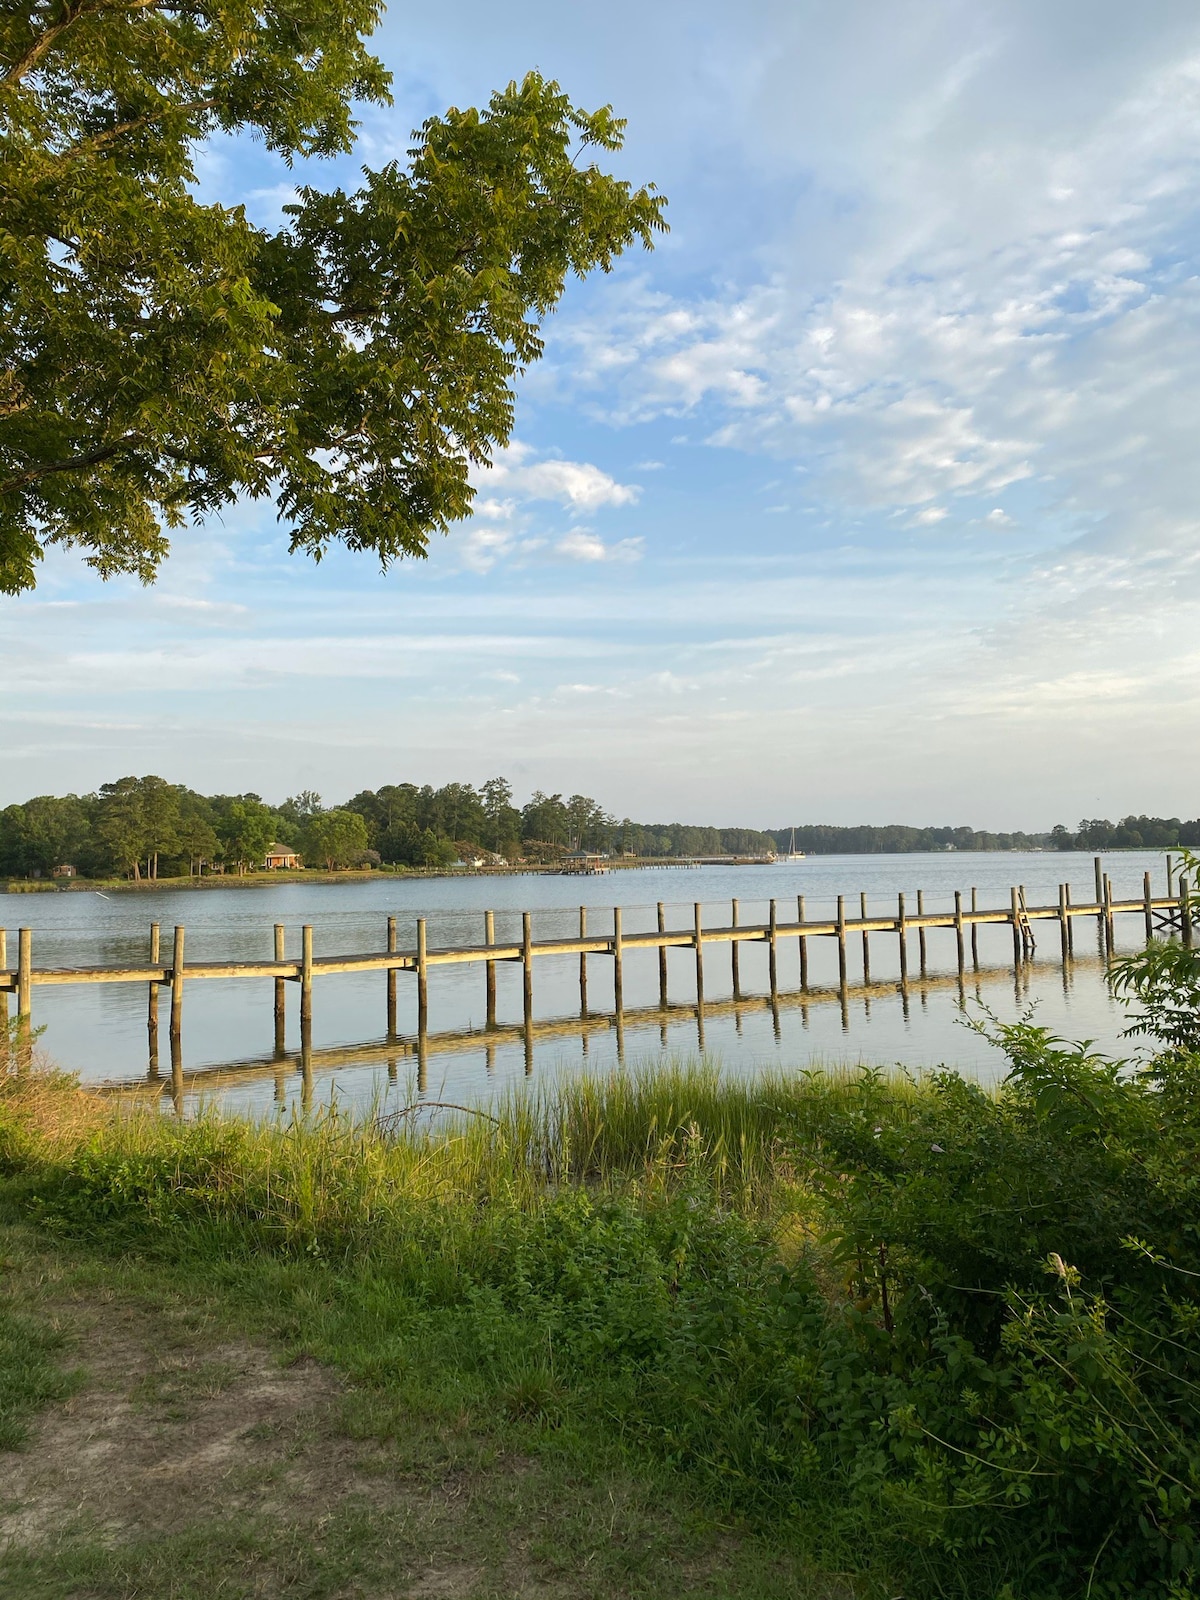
{"points": [[872, 494]]}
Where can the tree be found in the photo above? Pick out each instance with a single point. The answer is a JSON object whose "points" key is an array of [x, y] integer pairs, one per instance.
{"points": [[160, 357], [246, 831], [336, 838], [502, 821], [120, 829], [195, 837]]}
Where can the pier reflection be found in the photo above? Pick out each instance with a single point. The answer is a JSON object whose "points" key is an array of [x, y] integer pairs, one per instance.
{"points": [[686, 1026]]}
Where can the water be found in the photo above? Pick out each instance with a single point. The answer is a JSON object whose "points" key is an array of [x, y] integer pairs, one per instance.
{"points": [[99, 1031]]}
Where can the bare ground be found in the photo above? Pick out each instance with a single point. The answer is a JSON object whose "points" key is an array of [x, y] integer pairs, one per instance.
{"points": [[190, 1462]]}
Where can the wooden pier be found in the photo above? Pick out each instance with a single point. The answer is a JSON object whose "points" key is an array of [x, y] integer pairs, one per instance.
{"points": [[1171, 913]]}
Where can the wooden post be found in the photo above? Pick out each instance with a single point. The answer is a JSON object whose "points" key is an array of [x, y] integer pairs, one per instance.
{"points": [[1070, 924], [583, 1001], [489, 937], [1109, 932], [921, 930], [24, 996], [4, 1000], [152, 1001], [841, 942], [772, 961], [862, 905], [527, 966], [177, 1073], [422, 977], [902, 931], [974, 930], [1185, 912], [391, 979], [1063, 920], [958, 933], [803, 944], [177, 985], [152, 997], [1099, 892], [1170, 876], [306, 983], [618, 963], [281, 995], [1018, 942], [698, 939], [1147, 900], [735, 956], [662, 959]]}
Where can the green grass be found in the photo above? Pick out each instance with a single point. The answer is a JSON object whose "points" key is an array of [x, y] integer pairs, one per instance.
{"points": [[31, 1374], [796, 1327]]}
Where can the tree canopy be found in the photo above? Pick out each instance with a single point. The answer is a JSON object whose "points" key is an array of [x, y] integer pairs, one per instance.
{"points": [[161, 356]]}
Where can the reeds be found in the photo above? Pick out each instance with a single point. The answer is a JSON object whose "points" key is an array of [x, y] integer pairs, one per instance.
{"points": [[332, 1182]]}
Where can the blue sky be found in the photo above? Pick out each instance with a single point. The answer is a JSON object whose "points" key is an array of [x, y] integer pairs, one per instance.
{"points": [[872, 494]]}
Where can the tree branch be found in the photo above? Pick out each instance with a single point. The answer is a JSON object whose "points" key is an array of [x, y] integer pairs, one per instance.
{"points": [[97, 141], [71, 14], [46, 469]]}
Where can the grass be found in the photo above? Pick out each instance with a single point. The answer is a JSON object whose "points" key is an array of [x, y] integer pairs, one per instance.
{"points": [[661, 1333], [337, 1243]]}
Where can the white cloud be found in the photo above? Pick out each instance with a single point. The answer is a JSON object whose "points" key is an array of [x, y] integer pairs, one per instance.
{"points": [[578, 485], [579, 545]]}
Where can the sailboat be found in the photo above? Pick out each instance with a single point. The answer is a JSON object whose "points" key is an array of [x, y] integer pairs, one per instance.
{"points": [[791, 853]]}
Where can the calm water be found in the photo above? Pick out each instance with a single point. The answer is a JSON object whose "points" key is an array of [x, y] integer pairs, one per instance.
{"points": [[100, 1031]]}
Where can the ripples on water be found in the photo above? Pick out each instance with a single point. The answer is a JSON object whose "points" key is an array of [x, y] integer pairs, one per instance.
{"points": [[100, 1031]]}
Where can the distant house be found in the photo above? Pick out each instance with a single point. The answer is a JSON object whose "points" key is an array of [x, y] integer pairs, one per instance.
{"points": [[280, 856], [64, 871]]}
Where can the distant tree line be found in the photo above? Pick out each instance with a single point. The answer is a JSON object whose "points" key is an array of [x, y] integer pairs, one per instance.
{"points": [[1131, 833], [144, 828], [898, 839]]}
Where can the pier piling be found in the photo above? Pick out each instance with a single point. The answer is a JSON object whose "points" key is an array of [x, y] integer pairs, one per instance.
{"points": [[841, 943], [306, 983], [866, 939], [391, 980], [422, 977], [281, 995], [489, 998], [662, 958], [177, 983], [583, 999]]}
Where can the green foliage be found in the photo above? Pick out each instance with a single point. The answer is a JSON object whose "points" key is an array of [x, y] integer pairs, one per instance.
{"points": [[335, 839], [1130, 833], [956, 1330], [160, 357], [246, 830]]}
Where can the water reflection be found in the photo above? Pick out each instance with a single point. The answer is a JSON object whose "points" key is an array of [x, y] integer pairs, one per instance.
{"points": [[480, 1029]]}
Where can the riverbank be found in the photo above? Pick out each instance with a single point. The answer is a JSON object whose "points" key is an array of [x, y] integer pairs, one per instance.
{"points": [[809, 1319], [272, 879]]}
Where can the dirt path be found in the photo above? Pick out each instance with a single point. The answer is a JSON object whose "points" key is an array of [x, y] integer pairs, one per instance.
{"points": [[173, 1432], [191, 1463]]}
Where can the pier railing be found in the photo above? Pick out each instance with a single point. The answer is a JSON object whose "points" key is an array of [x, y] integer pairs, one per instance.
{"points": [[1162, 913]]}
